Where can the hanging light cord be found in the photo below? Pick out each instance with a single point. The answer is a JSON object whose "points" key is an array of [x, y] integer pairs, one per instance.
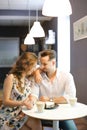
{"points": [[28, 16], [37, 14], [29, 19]]}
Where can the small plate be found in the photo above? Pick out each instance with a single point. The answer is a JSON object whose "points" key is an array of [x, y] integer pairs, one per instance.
{"points": [[55, 106]]}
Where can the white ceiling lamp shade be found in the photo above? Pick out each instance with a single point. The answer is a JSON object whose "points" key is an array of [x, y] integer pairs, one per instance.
{"points": [[51, 37], [56, 8], [29, 40], [37, 30]]}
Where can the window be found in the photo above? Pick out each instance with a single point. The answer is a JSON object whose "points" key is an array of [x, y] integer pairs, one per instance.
{"points": [[9, 51], [64, 43]]}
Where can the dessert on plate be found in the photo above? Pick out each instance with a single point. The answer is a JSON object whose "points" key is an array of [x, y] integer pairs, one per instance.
{"points": [[49, 104]]}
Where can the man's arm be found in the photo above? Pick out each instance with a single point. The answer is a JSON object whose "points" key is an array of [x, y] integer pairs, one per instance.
{"points": [[58, 100]]}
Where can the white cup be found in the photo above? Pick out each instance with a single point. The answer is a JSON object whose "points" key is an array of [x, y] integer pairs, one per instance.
{"points": [[72, 101], [40, 106]]}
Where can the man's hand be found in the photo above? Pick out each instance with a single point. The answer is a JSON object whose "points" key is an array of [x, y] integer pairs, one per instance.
{"points": [[44, 98], [59, 100]]}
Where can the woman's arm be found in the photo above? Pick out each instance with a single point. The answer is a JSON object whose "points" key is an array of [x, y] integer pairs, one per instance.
{"points": [[8, 83], [58, 100], [37, 75]]}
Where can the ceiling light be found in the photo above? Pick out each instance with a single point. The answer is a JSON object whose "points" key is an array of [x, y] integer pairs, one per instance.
{"points": [[37, 30], [57, 8], [29, 40], [51, 37]]}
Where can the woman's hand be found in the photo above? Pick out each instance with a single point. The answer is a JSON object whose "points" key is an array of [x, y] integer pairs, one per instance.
{"points": [[32, 98], [28, 103], [37, 76]]}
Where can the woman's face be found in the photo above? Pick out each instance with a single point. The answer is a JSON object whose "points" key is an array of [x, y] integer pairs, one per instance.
{"points": [[31, 69]]}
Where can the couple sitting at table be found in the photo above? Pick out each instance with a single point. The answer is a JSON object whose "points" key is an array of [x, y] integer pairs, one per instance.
{"points": [[52, 82]]}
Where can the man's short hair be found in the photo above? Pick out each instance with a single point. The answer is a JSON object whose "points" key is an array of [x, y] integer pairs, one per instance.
{"points": [[50, 53]]}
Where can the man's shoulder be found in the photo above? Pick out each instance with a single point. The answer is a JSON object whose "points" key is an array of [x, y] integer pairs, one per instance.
{"points": [[63, 73]]}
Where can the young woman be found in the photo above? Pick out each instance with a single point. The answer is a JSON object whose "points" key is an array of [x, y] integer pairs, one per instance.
{"points": [[17, 93]]}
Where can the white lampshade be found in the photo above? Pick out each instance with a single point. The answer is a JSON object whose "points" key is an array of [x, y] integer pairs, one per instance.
{"points": [[37, 30], [57, 8], [51, 37], [29, 40]]}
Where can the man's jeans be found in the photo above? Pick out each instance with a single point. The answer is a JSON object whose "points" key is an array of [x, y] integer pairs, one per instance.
{"points": [[64, 125], [67, 125]]}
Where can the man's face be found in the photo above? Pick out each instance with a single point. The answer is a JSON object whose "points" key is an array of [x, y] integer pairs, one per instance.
{"points": [[46, 64]]}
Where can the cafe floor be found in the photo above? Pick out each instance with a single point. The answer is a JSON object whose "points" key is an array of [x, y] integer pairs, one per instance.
{"points": [[47, 128]]}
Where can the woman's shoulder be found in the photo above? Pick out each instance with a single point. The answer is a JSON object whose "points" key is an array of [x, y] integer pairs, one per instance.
{"points": [[9, 77]]}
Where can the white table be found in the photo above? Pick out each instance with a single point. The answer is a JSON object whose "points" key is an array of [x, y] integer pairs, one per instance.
{"points": [[62, 112]]}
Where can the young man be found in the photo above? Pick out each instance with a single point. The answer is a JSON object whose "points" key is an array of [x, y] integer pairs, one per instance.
{"points": [[55, 85]]}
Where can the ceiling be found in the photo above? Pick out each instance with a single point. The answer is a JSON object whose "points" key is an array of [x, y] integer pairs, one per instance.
{"points": [[16, 12]]}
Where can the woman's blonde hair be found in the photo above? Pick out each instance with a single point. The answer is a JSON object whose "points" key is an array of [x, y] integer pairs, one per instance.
{"points": [[24, 63]]}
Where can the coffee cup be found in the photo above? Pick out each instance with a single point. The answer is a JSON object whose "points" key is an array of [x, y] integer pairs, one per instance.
{"points": [[40, 106], [72, 101]]}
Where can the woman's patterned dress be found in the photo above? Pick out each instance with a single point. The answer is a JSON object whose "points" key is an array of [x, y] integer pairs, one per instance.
{"points": [[12, 118]]}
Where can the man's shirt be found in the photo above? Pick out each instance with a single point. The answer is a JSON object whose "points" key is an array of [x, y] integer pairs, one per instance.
{"points": [[62, 85]]}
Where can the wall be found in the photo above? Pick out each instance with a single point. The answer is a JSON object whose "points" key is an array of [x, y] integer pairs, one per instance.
{"points": [[79, 52]]}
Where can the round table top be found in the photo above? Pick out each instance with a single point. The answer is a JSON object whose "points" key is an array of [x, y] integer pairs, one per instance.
{"points": [[62, 112]]}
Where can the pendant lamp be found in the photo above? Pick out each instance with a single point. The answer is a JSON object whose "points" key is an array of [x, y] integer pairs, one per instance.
{"points": [[56, 8], [51, 37], [29, 40], [37, 30]]}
